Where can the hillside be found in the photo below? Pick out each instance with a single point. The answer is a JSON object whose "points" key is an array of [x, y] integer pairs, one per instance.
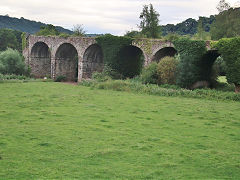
{"points": [[188, 26], [25, 25]]}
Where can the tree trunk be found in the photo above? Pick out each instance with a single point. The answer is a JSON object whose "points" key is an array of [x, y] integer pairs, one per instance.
{"points": [[237, 88]]}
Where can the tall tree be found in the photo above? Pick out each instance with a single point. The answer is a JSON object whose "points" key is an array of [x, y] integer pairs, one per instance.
{"points": [[227, 24], [8, 39], [223, 6], [149, 21], [200, 28]]}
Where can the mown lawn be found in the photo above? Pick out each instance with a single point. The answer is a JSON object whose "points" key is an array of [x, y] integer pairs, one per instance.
{"points": [[61, 131]]}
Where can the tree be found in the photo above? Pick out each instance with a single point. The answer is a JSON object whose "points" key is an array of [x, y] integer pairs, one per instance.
{"points": [[149, 21], [48, 30], [8, 39], [200, 28], [227, 24], [223, 6], [78, 30]]}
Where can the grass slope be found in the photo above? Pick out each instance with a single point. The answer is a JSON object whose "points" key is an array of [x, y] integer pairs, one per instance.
{"points": [[53, 130]]}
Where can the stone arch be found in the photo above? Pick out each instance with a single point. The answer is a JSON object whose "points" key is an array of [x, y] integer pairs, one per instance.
{"points": [[207, 63], [130, 60], [92, 61], [40, 60], [66, 62], [163, 52]]}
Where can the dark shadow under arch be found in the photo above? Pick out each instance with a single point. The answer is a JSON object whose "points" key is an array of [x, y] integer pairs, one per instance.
{"points": [[40, 62], [92, 61], [167, 51], [130, 61], [207, 64], [67, 62]]}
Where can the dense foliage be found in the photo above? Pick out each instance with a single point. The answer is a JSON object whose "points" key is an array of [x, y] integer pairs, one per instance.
{"points": [[166, 70], [227, 24], [11, 62], [4, 77], [48, 30], [10, 39], [188, 27], [149, 74], [113, 47], [25, 25], [230, 51], [189, 68]]}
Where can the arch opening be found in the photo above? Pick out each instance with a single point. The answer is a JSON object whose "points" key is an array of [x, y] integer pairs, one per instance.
{"points": [[167, 51], [130, 61], [40, 60], [67, 62], [92, 61], [212, 66]]}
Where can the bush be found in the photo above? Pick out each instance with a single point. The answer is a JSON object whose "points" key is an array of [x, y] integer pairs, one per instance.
{"points": [[166, 70], [172, 37], [149, 74], [61, 78], [11, 62], [64, 35], [12, 77], [107, 74], [100, 76]]}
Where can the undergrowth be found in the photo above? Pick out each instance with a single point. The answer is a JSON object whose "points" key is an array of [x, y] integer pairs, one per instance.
{"points": [[164, 90]]}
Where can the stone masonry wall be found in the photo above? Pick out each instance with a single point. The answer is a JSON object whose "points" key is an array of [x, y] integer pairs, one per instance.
{"points": [[86, 65]]}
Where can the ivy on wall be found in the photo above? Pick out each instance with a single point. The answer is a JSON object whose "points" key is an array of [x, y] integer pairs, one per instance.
{"points": [[230, 52], [118, 57], [189, 69], [24, 41]]}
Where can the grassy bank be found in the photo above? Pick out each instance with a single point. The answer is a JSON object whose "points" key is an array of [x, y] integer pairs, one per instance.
{"points": [[60, 131], [165, 90]]}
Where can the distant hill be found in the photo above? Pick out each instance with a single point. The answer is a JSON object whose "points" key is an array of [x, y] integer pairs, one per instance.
{"points": [[25, 25], [188, 26]]}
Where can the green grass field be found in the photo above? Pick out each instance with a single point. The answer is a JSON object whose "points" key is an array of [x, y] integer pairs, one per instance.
{"points": [[61, 131]]}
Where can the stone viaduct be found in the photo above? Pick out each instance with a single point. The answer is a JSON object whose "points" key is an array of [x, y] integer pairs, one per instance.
{"points": [[78, 57]]}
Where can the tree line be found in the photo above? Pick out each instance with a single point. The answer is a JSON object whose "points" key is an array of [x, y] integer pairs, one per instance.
{"points": [[226, 24]]}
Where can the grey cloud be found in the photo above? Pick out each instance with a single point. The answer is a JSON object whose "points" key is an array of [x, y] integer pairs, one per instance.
{"points": [[113, 16]]}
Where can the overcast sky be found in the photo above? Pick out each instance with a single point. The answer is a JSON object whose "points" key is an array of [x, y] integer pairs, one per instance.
{"points": [[106, 16]]}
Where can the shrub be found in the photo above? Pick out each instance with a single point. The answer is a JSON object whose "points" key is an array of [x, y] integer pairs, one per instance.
{"points": [[149, 74], [12, 77], [166, 70], [11, 62], [230, 51], [100, 76], [107, 74], [126, 85], [64, 35], [172, 37], [61, 78]]}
